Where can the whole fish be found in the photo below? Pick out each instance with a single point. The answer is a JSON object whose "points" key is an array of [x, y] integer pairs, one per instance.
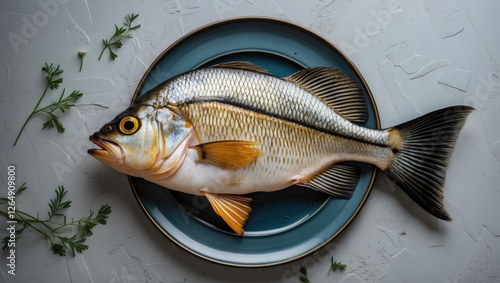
{"points": [[233, 129]]}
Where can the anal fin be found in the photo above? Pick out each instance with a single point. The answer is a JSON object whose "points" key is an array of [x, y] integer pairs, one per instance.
{"points": [[338, 181], [233, 209]]}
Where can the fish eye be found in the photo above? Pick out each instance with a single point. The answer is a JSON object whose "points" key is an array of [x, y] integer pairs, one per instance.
{"points": [[129, 125]]}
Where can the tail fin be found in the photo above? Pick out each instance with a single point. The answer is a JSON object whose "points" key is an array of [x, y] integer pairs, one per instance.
{"points": [[424, 148]]}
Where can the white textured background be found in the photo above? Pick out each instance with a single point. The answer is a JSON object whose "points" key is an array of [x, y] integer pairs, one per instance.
{"points": [[416, 56]]}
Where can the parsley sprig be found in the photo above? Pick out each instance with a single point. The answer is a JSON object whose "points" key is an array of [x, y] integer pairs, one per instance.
{"points": [[115, 41], [334, 265], [303, 275], [64, 103], [55, 227]]}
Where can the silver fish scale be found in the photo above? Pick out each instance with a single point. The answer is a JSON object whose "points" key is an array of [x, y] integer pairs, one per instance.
{"points": [[261, 93]]}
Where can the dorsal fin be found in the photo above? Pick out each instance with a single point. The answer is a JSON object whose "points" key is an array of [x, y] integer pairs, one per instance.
{"points": [[240, 65], [335, 89]]}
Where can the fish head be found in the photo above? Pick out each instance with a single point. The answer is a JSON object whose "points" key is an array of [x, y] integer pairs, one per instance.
{"points": [[141, 139]]}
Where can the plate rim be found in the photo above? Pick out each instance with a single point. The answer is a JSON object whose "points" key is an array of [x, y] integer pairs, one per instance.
{"points": [[362, 80]]}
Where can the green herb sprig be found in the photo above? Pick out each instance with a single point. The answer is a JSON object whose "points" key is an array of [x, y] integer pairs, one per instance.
{"points": [[55, 227], [64, 103], [115, 41], [303, 275], [334, 265]]}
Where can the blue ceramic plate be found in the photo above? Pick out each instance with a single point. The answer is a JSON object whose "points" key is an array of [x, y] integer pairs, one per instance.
{"points": [[283, 225]]}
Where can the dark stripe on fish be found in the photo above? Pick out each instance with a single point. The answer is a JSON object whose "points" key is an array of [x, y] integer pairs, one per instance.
{"points": [[227, 101]]}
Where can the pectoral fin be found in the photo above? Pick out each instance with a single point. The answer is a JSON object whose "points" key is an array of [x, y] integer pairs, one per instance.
{"points": [[230, 155], [233, 209]]}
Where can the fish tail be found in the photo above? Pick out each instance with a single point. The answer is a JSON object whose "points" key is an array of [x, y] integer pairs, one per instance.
{"points": [[422, 148]]}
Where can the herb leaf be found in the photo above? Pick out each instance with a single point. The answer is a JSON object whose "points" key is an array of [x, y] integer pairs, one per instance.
{"points": [[115, 42], [76, 245], [85, 224], [103, 214], [52, 72], [58, 203]]}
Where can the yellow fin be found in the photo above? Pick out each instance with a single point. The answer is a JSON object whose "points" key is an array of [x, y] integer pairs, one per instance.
{"points": [[230, 155], [233, 209]]}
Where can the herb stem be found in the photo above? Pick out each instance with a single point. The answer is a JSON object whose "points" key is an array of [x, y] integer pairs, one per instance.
{"points": [[33, 112], [3, 213], [28, 223], [31, 219], [45, 223], [102, 52]]}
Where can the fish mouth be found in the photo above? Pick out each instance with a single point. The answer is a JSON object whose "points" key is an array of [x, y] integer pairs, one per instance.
{"points": [[108, 150]]}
